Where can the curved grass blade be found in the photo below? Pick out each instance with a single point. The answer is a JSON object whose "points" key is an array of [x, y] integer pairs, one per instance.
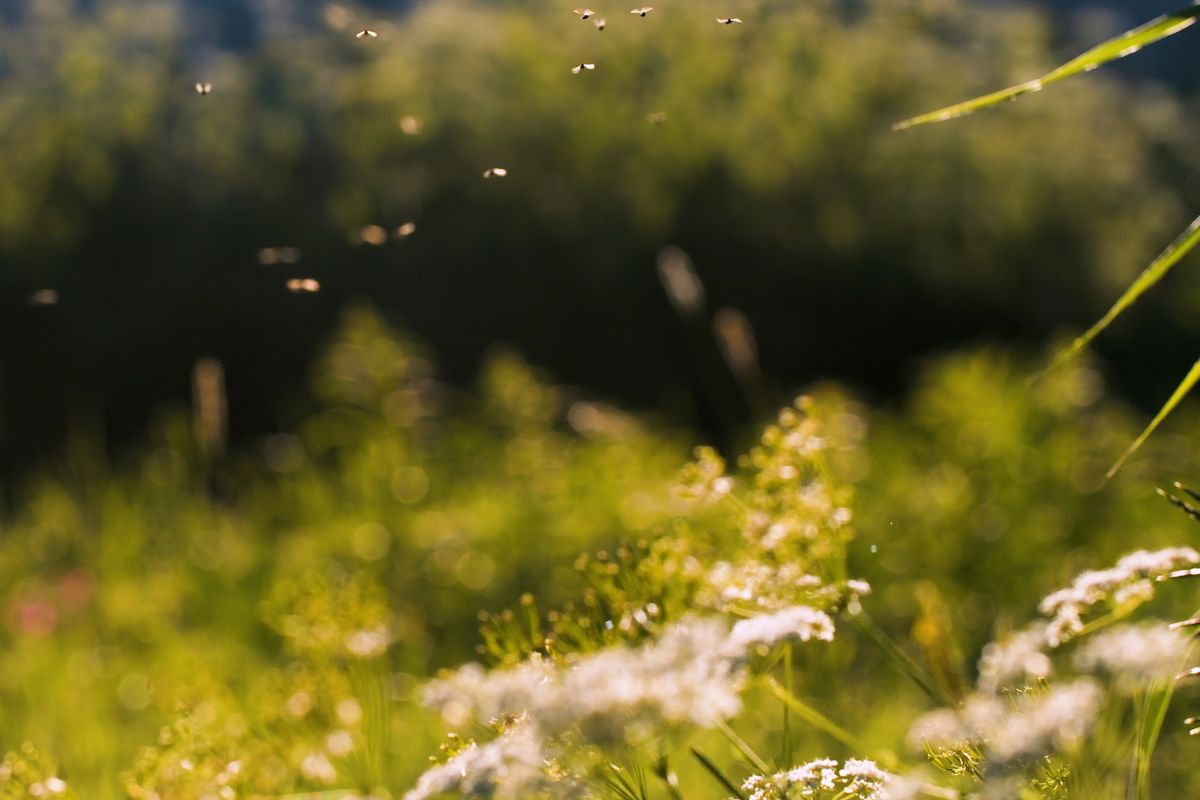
{"points": [[1193, 377], [1126, 44], [1157, 270]]}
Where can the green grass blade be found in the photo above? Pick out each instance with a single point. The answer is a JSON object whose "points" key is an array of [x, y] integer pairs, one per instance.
{"points": [[1152, 714], [746, 750], [902, 660], [823, 723], [1193, 377], [1174, 253], [1126, 44], [716, 772]]}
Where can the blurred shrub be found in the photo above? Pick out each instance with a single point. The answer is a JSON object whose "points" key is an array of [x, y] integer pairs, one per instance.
{"points": [[993, 490]]}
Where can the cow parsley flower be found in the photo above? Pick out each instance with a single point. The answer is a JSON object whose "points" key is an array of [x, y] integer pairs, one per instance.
{"points": [[1015, 660], [507, 768], [801, 623], [1126, 584], [753, 584], [1136, 655], [824, 779], [688, 676], [1032, 725]]}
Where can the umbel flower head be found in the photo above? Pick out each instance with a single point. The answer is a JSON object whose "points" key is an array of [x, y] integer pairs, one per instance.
{"points": [[1137, 656], [826, 779], [1127, 584], [510, 767], [1033, 724], [689, 676]]}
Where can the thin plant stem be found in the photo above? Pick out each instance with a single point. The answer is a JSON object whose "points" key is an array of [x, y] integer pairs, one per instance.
{"points": [[789, 682], [823, 723], [740, 745], [903, 661], [716, 772]]}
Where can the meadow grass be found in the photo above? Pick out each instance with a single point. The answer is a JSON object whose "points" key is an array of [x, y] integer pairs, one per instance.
{"points": [[272, 624]]}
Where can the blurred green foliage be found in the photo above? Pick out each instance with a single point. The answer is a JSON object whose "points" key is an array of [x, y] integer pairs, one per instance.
{"points": [[763, 149], [384, 515], [165, 618]]}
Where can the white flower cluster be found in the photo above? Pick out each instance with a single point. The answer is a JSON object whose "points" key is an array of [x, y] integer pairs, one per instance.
{"points": [[1127, 583], [1034, 724], [690, 675], [1136, 655], [1015, 660], [693, 674], [857, 779], [796, 623], [507, 768], [753, 585]]}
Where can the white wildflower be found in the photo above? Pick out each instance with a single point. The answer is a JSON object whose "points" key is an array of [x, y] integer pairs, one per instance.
{"points": [[1034, 724], [1049, 722], [507, 768], [1015, 660], [1124, 585], [857, 779], [754, 584], [943, 727], [473, 692], [821, 773], [1137, 655], [798, 622], [858, 588], [685, 677]]}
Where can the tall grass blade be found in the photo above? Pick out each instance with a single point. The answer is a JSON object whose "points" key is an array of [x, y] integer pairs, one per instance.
{"points": [[1181, 391], [1151, 715], [746, 750], [902, 660], [1150, 276], [823, 723], [1126, 44], [716, 772]]}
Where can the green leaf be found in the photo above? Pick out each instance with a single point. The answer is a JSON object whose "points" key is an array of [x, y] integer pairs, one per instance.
{"points": [[1193, 377], [1126, 44], [1150, 276]]}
